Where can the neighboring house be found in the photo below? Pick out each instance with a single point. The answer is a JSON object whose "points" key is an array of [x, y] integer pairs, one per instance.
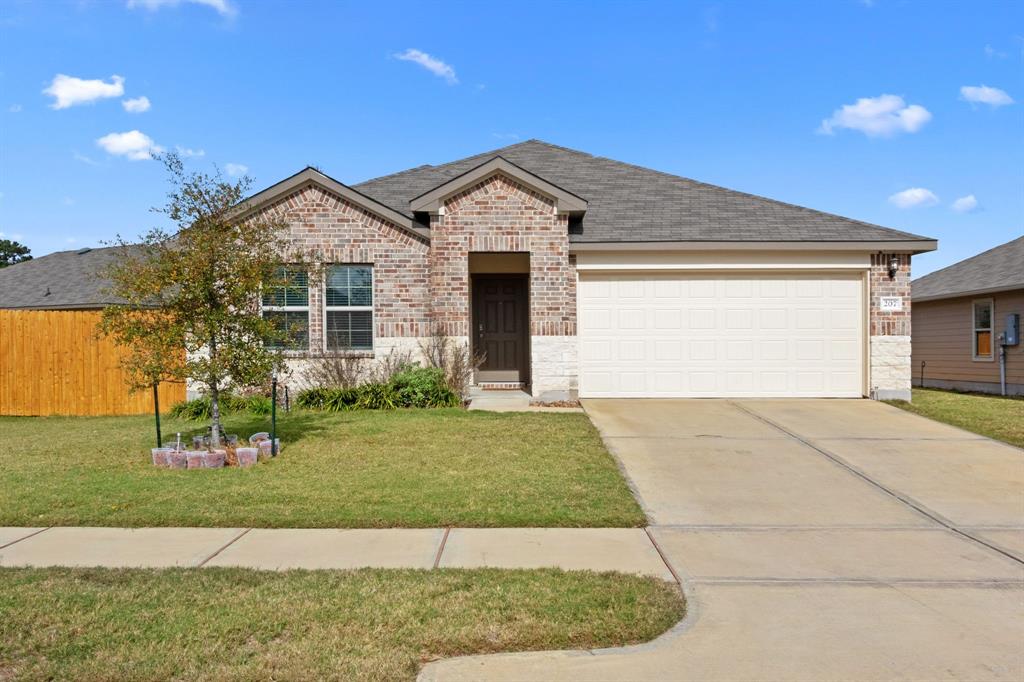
{"points": [[960, 313], [51, 359], [580, 275]]}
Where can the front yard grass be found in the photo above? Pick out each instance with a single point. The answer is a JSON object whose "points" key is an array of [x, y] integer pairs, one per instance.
{"points": [[405, 468], [371, 624], [997, 417]]}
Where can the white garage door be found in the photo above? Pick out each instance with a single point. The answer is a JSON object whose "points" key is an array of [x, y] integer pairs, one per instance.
{"points": [[721, 335]]}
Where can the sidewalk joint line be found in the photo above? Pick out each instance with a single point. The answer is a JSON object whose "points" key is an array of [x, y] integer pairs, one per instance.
{"points": [[916, 506], [440, 547], [228, 544], [30, 535], [664, 559]]}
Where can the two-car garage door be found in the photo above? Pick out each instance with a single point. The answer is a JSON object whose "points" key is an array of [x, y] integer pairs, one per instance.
{"points": [[721, 335]]}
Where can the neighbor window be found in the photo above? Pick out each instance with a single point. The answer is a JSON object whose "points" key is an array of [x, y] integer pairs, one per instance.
{"points": [[982, 334], [287, 306], [348, 307]]}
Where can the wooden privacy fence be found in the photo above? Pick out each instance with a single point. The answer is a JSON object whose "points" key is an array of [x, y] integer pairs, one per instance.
{"points": [[53, 362]]}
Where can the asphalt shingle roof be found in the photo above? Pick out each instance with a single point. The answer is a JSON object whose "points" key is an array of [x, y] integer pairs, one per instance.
{"points": [[629, 203], [998, 268], [62, 280]]}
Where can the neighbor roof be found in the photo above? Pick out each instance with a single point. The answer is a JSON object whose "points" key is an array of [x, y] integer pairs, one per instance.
{"points": [[628, 203], [998, 269], [59, 281]]}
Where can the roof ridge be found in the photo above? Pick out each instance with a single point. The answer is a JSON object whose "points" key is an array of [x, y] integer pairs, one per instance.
{"points": [[751, 195], [488, 154]]}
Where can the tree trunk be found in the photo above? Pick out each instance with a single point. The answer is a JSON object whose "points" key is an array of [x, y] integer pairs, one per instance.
{"points": [[214, 399]]}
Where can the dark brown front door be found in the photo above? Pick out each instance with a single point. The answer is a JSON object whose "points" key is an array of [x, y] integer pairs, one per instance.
{"points": [[500, 319]]}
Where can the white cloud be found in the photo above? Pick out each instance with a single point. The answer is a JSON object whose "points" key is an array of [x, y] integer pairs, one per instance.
{"points": [[222, 7], [878, 117], [68, 201], [965, 204], [14, 108], [983, 94], [236, 170], [187, 153], [70, 240], [137, 105], [913, 198], [84, 159], [133, 145], [67, 91], [993, 53], [431, 64]]}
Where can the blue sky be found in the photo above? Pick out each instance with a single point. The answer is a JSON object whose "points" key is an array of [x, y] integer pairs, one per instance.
{"points": [[853, 107]]}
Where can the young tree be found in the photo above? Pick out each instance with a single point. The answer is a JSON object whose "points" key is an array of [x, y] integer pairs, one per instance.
{"points": [[12, 252], [198, 289]]}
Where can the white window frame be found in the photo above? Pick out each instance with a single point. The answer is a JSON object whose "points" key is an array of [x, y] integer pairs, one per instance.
{"points": [[352, 308], [991, 329], [291, 309]]}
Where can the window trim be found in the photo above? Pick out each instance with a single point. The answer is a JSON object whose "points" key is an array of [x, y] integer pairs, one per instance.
{"points": [[291, 309], [990, 302], [351, 308]]}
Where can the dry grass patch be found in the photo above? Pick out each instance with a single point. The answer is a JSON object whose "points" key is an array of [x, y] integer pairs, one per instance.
{"points": [[371, 624]]}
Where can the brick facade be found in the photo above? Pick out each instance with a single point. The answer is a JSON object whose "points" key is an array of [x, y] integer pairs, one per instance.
{"points": [[500, 215], [889, 330], [336, 231]]}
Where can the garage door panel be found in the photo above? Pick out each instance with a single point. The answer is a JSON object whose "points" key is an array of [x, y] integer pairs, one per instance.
{"points": [[721, 336]]}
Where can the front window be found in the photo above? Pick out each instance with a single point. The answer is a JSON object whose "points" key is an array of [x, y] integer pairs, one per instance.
{"points": [[982, 334], [348, 307], [287, 306]]}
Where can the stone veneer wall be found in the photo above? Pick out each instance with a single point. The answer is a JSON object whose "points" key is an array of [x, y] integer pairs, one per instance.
{"points": [[500, 215], [890, 367]]}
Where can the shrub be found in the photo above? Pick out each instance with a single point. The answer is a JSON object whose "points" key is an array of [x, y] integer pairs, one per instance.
{"points": [[200, 409], [454, 358], [377, 397], [412, 386], [423, 387], [325, 398]]}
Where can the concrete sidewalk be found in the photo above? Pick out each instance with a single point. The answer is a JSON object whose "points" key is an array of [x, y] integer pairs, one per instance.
{"points": [[629, 550]]}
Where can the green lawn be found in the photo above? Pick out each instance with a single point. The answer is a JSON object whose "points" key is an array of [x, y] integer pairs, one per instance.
{"points": [[237, 624], [412, 468], [993, 416]]}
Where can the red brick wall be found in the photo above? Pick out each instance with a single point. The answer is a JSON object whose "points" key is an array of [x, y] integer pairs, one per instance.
{"points": [[339, 232], [889, 323], [500, 215]]}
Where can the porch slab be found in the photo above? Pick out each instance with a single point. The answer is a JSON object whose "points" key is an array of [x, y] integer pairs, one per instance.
{"points": [[607, 549], [118, 547], [277, 549]]}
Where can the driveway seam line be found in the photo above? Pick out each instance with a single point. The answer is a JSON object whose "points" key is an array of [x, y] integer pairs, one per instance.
{"points": [[30, 535], [664, 559], [937, 518], [225, 546], [440, 547]]}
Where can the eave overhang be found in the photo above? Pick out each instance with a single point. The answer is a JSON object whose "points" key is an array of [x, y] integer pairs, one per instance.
{"points": [[911, 246]]}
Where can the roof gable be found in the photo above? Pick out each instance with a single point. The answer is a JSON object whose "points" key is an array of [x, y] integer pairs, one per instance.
{"points": [[432, 201], [311, 176]]}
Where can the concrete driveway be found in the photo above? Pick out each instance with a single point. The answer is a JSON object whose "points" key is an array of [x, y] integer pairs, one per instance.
{"points": [[817, 540]]}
